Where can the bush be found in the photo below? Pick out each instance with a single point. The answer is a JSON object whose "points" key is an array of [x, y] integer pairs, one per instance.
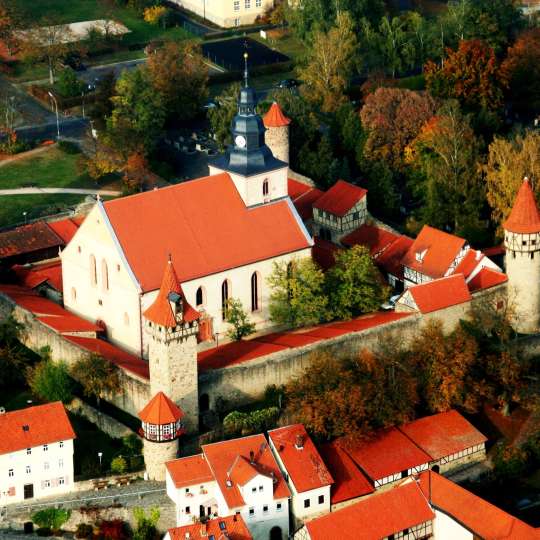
{"points": [[51, 381], [84, 530], [68, 147], [68, 85], [44, 531], [146, 526], [51, 518], [119, 465], [112, 529], [247, 423]]}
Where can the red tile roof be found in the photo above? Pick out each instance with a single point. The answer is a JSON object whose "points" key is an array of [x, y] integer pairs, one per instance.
{"points": [[324, 253], [469, 263], [441, 249], [161, 410], [39, 273], [349, 481], [340, 198], [375, 517], [31, 301], [233, 526], [117, 356], [204, 225], [388, 453], [28, 277], [443, 434], [476, 514], [440, 293], [65, 228], [28, 238], [69, 324], [375, 238], [485, 279], [524, 217], [304, 465], [242, 471], [221, 457], [303, 197], [275, 117], [389, 260], [161, 312], [47, 424], [189, 471]]}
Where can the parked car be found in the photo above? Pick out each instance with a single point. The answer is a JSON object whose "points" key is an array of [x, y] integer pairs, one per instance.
{"points": [[74, 61], [289, 83], [391, 303]]}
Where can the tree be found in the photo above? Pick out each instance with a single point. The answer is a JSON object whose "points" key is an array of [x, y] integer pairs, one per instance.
{"points": [[354, 284], [237, 317], [51, 518], [146, 526], [178, 73], [396, 45], [13, 357], [509, 161], [297, 297], [137, 172], [393, 118], [68, 84], [9, 22], [97, 376], [330, 63], [103, 105], [221, 117], [50, 381], [470, 74]]}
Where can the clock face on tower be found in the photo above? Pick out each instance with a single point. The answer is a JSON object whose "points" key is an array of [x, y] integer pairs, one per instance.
{"points": [[240, 141]]}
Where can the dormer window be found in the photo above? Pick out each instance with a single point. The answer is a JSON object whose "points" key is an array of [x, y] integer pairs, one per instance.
{"points": [[420, 255]]}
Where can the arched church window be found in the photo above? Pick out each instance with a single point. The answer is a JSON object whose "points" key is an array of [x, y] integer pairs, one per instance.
{"points": [[265, 187], [93, 271], [104, 275], [254, 292], [199, 297], [225, 292]]}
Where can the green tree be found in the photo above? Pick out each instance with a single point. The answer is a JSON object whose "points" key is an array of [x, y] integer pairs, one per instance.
{"points": [[103, 105], [221, 117], [97, 376], [146, 525], [119, 465], [297, 297], [237, 317], [396, 44], [354, 285], [14, 359], [68, 84], [51, 381], [51, 518]]}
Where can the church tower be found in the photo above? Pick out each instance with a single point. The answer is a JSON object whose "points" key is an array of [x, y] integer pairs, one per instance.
{"points": [[257, 174], [172, 326], [161, 427], [522, 243], [277, 134]]}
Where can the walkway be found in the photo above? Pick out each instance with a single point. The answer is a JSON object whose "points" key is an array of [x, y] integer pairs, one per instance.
{"points": [[73, 191]]}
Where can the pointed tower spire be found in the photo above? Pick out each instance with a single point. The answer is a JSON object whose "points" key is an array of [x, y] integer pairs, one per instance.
{"points": [[524, 217], [246, 73]]}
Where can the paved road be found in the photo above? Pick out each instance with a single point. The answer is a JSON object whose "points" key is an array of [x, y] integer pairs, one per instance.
{"points": [[73, 191], [70, 128]]}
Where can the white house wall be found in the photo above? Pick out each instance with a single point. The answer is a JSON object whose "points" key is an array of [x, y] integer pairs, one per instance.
{"points": [[445, 528]]}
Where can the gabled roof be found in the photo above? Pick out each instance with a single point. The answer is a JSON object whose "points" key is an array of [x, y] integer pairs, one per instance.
{"points": [[375, 517], [161, 311], [389, 260], [34, 426], [304, 465], [39, 273], [440, 293], [275, 117], [340, 198], [469, 263], [476, 514], [443, 434], [189, 471], [27, 239], [437, 251], [303, 196], [161, 410], [524, 217], [243, 471], [221, 456], [389, 452], [371, 236], [204, 225], [64, 228], [349, 481], [485, 279], [324, 252], [230, 527]]}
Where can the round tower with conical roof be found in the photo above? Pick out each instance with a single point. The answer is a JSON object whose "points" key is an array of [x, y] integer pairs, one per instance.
{"points": [[522, 243], [161, 426], [171, 326], [277, 132]]}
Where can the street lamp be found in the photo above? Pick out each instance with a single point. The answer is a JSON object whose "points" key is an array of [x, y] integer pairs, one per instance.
{"points": [[57, 120], [24, 214], [100, 455]]}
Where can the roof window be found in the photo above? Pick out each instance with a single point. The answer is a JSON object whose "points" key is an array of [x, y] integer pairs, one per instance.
{"points": [[420, 255]]}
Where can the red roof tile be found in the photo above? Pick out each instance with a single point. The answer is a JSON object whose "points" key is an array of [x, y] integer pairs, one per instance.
{"points": [[65, 228], [69, 323], [324, 252], [440, 293], [51, 272], [200, 224], [31, 301], [189, 471], [304, 465], [221, 457], [233, 526], [275, 117], [28, 277], [242, 471], [389, 260], [117, 356], [375, 517], [443, 434], [303, 197], [161, 410], [349, 481], [388, 453], [375, 238], [47, 424], [469, 263], [476, 514], [439, 251], [524, 217], [340, 198], [485, 279], [28, 238], [161, 312]]}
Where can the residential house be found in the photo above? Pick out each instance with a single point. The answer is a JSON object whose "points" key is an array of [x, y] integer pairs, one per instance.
{"points": [[230, 528]]}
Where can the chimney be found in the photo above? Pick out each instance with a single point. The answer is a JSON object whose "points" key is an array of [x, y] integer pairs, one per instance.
{"points": [[252, 457], [299, 444]]}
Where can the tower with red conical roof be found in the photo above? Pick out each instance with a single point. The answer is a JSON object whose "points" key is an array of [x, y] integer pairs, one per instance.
{"points": [[522, 243], [161, 426], [277, 132], [171, 326]]}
